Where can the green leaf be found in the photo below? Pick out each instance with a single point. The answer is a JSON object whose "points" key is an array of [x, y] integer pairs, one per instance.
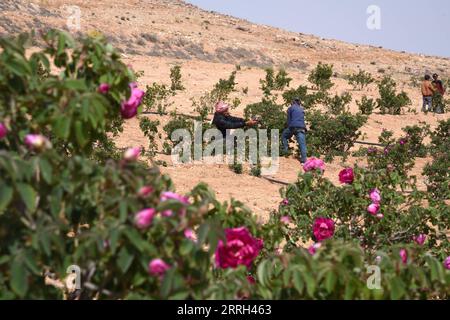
{"points": [[179, 295], [19, 278], [113, 239], [31, 263], [203, 233], [123, 213], [310, 284], [6, 195], [186, 247], [397, 288], [44, 239], [124, 260], [75, 85], [330, 281], [349, 290], [46, 170], [298, 280], [263, 272], [28, 195], [61, 126], [135, 238], [167, 283], [80, 133]]}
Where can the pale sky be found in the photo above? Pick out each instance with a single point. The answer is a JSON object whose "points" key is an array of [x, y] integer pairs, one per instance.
{"points": [[409, 25]]}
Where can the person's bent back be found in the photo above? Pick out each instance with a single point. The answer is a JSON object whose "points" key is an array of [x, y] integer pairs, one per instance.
{"points": [[296, 116], [223, 120]]}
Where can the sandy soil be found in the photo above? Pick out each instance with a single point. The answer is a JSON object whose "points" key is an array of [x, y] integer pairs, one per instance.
{"points": [[155, 35]]}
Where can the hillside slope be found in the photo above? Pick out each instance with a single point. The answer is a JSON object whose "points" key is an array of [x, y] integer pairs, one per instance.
{"points": [[155, 35]]}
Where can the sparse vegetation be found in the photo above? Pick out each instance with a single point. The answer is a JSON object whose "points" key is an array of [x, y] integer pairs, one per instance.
{"points": [[360, 80], [339, 103], [391, 102], [320, 77], [366, 105]]}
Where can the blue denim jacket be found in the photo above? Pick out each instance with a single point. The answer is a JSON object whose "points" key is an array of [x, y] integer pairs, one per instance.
{"points": [[296, 116]]}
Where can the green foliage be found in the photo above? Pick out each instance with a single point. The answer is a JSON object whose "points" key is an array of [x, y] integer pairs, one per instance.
{"points": [[325, 275], [256, 170], [395, 156], [390, 102], [437, 172], [366, 105], [405, 216], [236, 167], [360, 80], [158, 95], [320, 77], [176, 122], [415, 136], [64, 205], [274, 82], [308, 100], [332, 136], [175, 78], [74, 110], [220, 92], [272, 115], [439, 103], [338, 104], [150, 130]]}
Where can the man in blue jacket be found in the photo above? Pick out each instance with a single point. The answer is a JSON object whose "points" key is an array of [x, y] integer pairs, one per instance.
{"points": [[295, 126]]}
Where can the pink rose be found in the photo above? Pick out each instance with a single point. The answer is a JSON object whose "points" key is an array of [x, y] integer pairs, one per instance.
{"points": [[157, 267], [373, 208], [145, 191], [168, 195], [132, 154], [380, 216], [285, 202], [144, 218], [129, 108], [189, 234], [241, 248], [420, 239], [323, 228], [3, 131], [313, 248], [167, 213], [375, 195], [103, 88], [404, 256], [313, 164], [251, 280], [285, 219], [447, 263], [37, 142], [346, 176]]}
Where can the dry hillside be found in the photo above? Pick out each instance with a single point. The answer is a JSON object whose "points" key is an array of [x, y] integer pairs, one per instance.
{"points": [[155, 35]]}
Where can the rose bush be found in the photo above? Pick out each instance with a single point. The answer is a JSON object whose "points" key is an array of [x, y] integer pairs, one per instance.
{"points": [[73, 199]]}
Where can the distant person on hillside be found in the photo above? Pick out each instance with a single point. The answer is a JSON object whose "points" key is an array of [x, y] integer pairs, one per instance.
{"points": [[439, 94], [295, 126], [427, 93], [223, 120]]}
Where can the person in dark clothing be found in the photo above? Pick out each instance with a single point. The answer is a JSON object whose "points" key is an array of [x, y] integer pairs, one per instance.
{"points": [[223, 120], [438, 84], [438, 95], [295, 126]]}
